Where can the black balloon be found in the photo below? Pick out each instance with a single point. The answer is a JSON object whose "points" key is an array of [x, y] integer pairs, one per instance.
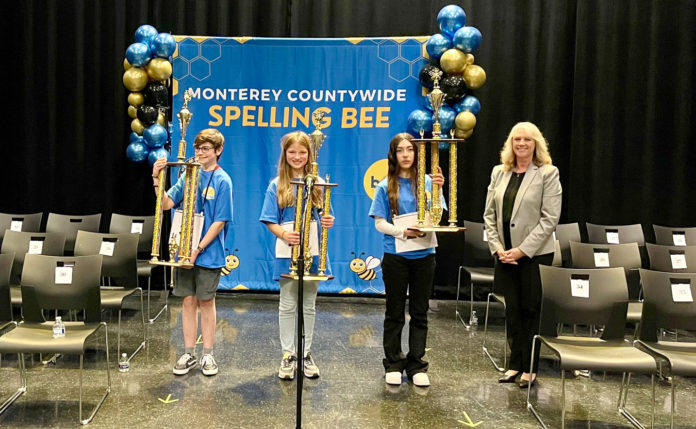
{"points": [[424, 75], [156, 94], [455, 88], [147, 114]]}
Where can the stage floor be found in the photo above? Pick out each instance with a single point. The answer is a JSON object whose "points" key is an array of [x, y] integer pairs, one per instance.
{"points": [[350, 393]]}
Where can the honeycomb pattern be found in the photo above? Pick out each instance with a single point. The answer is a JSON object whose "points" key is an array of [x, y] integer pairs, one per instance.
{"points": [[195, 58], [404, 59]]}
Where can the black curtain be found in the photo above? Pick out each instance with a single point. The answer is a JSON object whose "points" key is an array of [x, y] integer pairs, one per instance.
{"points": [[610, 83]]}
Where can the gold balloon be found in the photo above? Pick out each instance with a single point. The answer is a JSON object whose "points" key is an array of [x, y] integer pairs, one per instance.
{"points": [[137, 127], [474, 76], [159, 69], [461, 134], [126, 64], [465, 121], [135, 99], [133, 112], [453, 61], [469, 59], [160, 118], [135, 78]]}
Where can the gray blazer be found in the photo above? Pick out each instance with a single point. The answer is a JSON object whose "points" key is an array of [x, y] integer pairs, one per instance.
{"points": [[534, 215]]}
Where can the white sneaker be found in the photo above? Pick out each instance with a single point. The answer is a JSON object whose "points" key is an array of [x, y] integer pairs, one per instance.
{"points": [[208, 365], [421, 379], [311, 370], [393, 378], [184, 364], [287, 367]]}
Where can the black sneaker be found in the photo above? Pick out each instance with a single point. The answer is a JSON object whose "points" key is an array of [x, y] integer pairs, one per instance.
{"points": [[184, 364]]}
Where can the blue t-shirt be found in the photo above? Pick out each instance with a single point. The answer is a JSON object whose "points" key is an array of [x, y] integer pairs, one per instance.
{"points": [[408, 203], [272, 213], [215, 199]]}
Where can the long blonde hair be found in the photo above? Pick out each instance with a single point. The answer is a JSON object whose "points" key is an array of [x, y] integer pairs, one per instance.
{"points": [[285, 191], [541, 148]]}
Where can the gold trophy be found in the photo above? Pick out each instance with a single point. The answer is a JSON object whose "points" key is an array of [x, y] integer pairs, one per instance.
{"points": [[305, 184], [436, 98], [181, 244]]}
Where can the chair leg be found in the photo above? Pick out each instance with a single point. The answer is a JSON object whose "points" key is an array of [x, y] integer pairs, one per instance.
{"points": [[671, 417], [164, 307], [108, 379], [530, 407], [456, 303], [485, 333], [142, 314], [22, 387], [623, 396]]}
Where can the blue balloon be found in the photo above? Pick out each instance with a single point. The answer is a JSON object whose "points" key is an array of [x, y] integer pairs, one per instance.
{"points": [[437, 44], [470, 103], [134, 137], [424, 103], [450, 19], [420, 119], [145, 34], [447, 115], [163, 45], [155, 135], [137, 151], [156, 154], [467, 39], [138, 54]]}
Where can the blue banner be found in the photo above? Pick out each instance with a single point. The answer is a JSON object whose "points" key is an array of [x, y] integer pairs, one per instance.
{"points": [[255, 90]]}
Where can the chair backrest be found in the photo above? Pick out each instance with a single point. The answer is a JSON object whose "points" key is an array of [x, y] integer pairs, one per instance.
{"points": [[669, 302], [69, 225], [20, 222], [675, 259], [141, 225], [62, 283], [120, 252], [673, 236], [565, 233], [5, 300], [615, 234], [583, 296], [557, 258], [21, 243], [619, 255], [476, 250]]}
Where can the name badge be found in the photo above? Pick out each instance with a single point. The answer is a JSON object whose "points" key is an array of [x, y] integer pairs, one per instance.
{"points": [[601, 258], [679, 238], [16, 225], [612, 236], [681, 292], [64, 275], [580, 286], [678, 261], [137, 227], [35, 247]]}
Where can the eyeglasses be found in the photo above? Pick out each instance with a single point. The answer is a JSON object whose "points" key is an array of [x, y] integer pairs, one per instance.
{"points": [[203, 148]]}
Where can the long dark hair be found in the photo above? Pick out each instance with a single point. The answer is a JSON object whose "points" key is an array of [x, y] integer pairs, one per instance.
{"points": [[393, 175]]}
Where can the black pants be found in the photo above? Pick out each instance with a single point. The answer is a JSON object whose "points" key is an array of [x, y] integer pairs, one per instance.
{"points": [[414, 276], [521, 285]]}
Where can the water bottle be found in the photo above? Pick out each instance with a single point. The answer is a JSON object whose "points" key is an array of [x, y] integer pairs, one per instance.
{"points": [[473, 320], [123, 364], [58, 328]]}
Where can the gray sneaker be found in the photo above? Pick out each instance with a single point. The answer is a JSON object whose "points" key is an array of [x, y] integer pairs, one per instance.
{"points": [[287, 367], [310, 368], [184, 364], [208, 365]]}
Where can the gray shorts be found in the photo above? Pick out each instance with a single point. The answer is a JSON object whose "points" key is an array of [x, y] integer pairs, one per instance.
{"points": [[198, 281]]}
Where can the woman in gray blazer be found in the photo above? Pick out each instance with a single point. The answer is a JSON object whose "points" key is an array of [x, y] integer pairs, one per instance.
{"points": [[523, 205]]}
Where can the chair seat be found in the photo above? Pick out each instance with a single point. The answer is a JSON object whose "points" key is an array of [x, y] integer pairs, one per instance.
{"points": [[596, 354], [480, 274], [112, 297], [498, 297], [145, 268], [681, 356], [635, 309], [38, 338]]}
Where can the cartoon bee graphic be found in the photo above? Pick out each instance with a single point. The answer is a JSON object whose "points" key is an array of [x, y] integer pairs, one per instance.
{"points": [[231, 263], [365, 268]]}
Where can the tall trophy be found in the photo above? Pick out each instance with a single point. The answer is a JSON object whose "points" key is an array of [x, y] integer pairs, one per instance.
{"points": [[303, 209], [434, 206], [180, 243]]}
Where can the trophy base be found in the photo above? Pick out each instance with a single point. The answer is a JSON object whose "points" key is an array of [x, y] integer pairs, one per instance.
{"points": [[438, 228], [171, 264], [321, 278]]}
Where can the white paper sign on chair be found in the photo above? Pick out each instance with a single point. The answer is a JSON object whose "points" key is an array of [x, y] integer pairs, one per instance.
{"points": [[678, 261], [681, 292], [601, 258]]}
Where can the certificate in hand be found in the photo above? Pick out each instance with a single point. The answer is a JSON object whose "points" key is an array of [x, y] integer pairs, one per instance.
{"points": [[406, 221], [284, 250]]}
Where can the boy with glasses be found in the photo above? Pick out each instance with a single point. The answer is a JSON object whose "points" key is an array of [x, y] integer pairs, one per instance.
{"points": [[198, 285]]}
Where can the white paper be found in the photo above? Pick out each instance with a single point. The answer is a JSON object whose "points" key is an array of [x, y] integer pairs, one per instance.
{"points": [[678, 261], [175, 231], [612, 237], [107, 248], [554, 235], [679, 239], [64, 275], [408, 220], [681, 292], [35, 247], [601, 259], [16, 225], [580, 288], [485, 236], [136, 228], [284, 250]]}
